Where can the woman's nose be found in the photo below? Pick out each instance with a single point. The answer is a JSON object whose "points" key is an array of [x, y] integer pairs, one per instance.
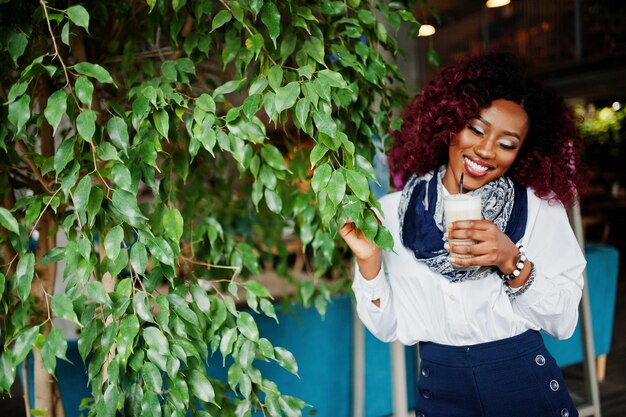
{"points": [[485, 149]]}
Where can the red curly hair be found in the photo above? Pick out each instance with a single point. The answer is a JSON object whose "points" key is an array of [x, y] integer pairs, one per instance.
{"points": [[548, 161]]}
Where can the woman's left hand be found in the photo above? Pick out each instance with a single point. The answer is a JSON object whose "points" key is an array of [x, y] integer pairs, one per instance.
{"points": [[492, 246]]}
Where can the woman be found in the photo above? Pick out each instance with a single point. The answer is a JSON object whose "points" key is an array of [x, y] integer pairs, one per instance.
{"points": [[476, 310]]}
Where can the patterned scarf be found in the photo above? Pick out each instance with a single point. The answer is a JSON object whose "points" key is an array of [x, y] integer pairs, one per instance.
{"points": [[421, 219]]}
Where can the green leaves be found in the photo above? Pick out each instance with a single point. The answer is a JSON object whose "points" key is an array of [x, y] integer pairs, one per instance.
{"points": [[336, 187], [139, 257], [220, 19], [64, 154], [201, 387], [275, 77], [247, 326], [54, 347], [94, 71], [273, 157], [84, 90], [173, 224], [325, 124], [96, 291], [201, 299], [286, 96], [227, 342], [228, 87], [24, 275], [19, 112], [8, 221], [129, 166], [7, 371], [126, 205], [118, 132], [141, 307], [108, 406], [17, 90], [333, 78], [286, 360], [62, 307], [81, 194], [321, 177], [24, 342], [271, 19], [161, 250], [303, 108], [162, 123], [112, 242], [57, 105], [79, 16], [358, 184], [314, 47], [86, 124], [16, 45], [156, 340], [206, 103], [152, 377]]}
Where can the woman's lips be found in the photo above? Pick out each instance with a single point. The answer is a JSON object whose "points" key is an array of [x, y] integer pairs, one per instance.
{"points": [[475, 168]]}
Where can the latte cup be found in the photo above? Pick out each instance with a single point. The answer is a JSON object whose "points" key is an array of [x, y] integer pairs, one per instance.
{"points": [[461, 207]]}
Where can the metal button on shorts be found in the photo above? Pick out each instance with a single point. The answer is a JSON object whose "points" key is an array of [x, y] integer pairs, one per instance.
{"points": [[425, 372], [540, 360], [554, 385], [565, 412]]}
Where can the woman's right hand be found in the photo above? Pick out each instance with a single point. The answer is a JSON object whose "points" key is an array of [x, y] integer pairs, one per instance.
{"points": [[368, 255]]}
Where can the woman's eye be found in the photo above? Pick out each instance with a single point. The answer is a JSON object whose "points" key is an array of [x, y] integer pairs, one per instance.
{"points": [[508, 145], [476, 130]]}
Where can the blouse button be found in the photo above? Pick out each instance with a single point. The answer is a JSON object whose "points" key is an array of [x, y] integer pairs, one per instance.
{"points": [[425, 372], [426, 394], [565, 412], [554, 385], [540, 360]]}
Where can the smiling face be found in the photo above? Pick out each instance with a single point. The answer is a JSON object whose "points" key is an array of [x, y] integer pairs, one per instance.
{"points": [[487, 146]]}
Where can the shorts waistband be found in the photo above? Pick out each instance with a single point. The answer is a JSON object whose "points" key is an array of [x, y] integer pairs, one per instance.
{"points": [[481, 353]]}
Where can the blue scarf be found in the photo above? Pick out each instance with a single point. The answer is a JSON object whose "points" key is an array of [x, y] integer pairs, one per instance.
{"points": [[421, 219]]}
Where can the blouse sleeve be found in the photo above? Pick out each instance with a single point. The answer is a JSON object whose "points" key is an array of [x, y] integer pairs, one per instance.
{"points": [[551, 301], [380, 321]]}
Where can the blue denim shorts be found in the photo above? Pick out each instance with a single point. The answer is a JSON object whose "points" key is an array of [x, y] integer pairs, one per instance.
{"points": [[514, 377]]}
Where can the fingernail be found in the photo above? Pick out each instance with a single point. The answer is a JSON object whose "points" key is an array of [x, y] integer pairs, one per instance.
{"points": [[449, 225], [446, 246]]}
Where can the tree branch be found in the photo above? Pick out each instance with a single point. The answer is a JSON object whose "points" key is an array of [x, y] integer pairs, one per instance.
{"points": [[54, 42], [24, 150], [21, 179], [26, 387], [267, 54]]}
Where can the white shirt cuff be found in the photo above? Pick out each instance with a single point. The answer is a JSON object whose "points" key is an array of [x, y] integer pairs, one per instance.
{"points": [[373, 289], [534, 289]]}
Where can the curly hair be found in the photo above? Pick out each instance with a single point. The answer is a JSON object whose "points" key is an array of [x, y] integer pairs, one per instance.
{"points": [[548, 161]]}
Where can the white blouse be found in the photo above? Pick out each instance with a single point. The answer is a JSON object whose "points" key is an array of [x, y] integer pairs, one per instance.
{"points": [[417, 304]]}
